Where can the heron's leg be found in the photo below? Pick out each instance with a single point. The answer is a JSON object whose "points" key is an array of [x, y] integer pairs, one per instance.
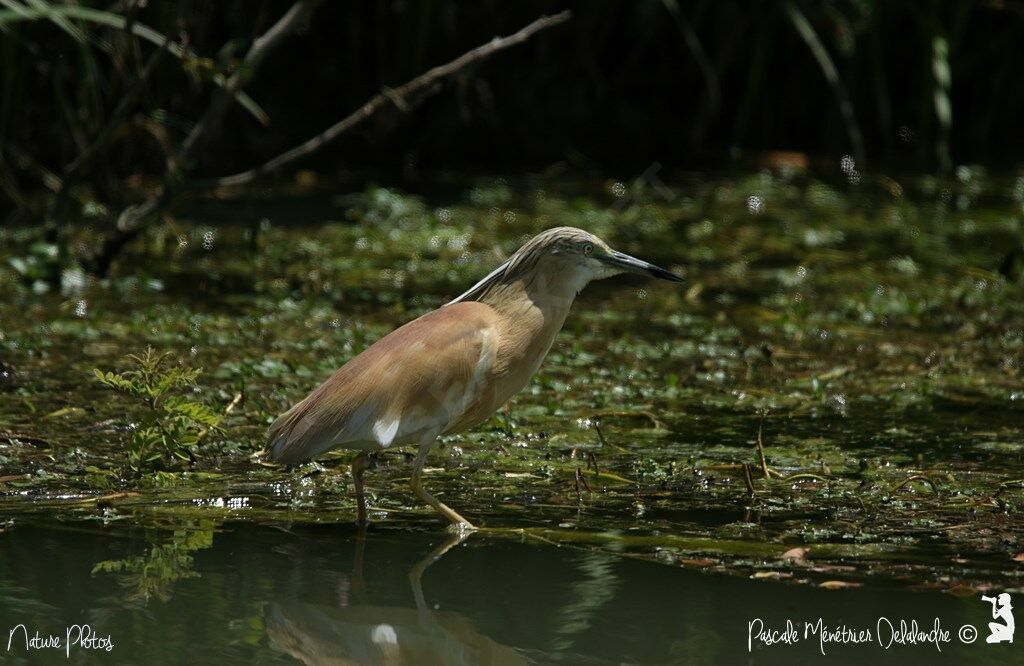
{"points": [[421, 492], [359, 465], [357, 580], [416, 573]]}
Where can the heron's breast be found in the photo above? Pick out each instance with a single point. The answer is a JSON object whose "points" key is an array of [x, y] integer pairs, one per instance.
{"points": [[437, 399], [514, 356]]}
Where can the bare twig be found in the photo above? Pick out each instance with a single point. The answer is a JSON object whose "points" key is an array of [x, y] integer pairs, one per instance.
{"points": [[580, 479], [105, 500], [805, 475], [75, 168], [748, 480], [915, 477], [132, 220], [828, 68], [292, 20], [237, 400], [760, 452], [766, 471], [604, 442], [405, 97]]}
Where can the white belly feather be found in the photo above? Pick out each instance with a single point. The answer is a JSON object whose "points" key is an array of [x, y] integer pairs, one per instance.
{"points": [[414, 421]]}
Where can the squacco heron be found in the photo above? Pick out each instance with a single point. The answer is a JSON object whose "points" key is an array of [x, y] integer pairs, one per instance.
{"points": [[454, 367]]}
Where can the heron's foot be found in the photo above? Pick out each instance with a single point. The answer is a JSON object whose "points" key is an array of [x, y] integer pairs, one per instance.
{"points": [[457, 524], [457, 521]]}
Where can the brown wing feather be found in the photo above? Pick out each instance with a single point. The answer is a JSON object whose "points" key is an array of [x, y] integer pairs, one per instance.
{"points": [[409, 369]]}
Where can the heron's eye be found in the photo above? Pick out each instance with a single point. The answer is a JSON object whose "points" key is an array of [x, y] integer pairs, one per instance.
{"points": [[588, 248]]}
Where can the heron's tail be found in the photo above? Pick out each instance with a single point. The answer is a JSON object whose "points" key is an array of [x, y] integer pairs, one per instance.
{"points": [[281, 437]]}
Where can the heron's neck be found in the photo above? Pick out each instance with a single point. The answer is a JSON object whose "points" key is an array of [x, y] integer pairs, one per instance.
{"points": [[531, 312], [537, 294]]}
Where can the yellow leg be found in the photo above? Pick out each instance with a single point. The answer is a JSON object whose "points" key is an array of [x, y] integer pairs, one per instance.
{"points": [[416, 573], [359, 465], [421, 492]]}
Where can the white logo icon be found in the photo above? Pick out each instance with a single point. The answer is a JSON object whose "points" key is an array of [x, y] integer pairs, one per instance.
{"points": [[1001, 610]]}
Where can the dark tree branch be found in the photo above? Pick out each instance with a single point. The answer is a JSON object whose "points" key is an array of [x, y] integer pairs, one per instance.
{"points": [[405, 97], [73, 171], [131, 220], [292, 20]]}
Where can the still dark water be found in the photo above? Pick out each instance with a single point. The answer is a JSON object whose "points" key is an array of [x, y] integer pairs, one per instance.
{"points": [[326, 595]]}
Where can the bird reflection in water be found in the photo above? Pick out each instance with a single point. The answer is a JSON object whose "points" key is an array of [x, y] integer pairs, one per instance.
{"points": [[366, 634]]}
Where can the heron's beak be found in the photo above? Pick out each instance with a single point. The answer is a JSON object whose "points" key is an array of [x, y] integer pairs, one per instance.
{"points": [[633, 265]]}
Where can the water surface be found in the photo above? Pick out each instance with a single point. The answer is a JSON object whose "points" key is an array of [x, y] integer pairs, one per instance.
{"points": [[868, 331]]}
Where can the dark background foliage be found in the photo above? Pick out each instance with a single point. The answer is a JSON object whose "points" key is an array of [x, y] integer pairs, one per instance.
{"points": [[623, 83]]}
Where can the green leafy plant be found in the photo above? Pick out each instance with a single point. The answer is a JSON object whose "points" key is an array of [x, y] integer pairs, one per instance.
{"points": [[173, 424]]}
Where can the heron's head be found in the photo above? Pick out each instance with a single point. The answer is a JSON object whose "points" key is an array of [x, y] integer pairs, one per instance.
{"points": [[565, 259], [579, 252]]}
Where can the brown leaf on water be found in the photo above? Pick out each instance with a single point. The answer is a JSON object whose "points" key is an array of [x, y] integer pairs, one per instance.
{"points": [[963, 590], [838, 584], [795, 555], [1019, 557], [699, 562]]}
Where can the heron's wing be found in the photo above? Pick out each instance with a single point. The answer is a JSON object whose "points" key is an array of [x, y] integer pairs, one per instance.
{"points": [[414, 379]]}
